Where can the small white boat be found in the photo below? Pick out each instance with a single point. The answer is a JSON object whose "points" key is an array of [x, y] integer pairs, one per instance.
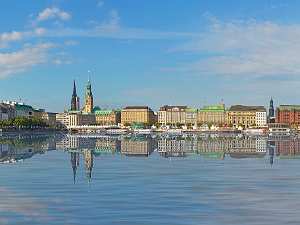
{"points": [[255, 131], [173, 131], [117, 131], [142, 131]]}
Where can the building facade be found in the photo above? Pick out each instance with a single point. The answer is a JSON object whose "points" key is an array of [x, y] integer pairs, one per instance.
{"points": [[23, 110], [47, 117], [137, 114], [107, 117], [80, 119], [66, 119], [172, 115], [247, 116], [214, 114], [6, 111], [261, 118], [191, 116], [62, 120], [289, 114]]}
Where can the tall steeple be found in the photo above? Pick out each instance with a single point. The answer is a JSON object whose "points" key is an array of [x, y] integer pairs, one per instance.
{"points": [[271, 109], [74, 89], [89, 101], [75, 99], [271, 117]]}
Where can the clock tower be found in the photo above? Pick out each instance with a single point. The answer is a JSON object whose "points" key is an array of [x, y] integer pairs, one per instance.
{"points": [[89, 102]]}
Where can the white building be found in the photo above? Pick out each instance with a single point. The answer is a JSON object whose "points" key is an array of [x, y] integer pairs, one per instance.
{"points": [[62, 120], [172, 115], [261, 118], [66, 119], [6, 111], [3, 113]]}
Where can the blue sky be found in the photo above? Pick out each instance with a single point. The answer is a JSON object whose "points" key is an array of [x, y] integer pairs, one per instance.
{"points": [[152, 53]]}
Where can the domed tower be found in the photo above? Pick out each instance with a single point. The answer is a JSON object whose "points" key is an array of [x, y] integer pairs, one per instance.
{"points": [[89, 102]]}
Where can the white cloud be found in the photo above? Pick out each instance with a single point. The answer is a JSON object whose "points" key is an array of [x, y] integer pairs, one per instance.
{"points": [[24, 59], [247, 48], [40, 31], [53, 13], [14, 36], [8, 37], [113, 22]]}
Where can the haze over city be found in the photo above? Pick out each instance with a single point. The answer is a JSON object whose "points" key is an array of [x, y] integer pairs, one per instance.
{"points": [[150, 52]]}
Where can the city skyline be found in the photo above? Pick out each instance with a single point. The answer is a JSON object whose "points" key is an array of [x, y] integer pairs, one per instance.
{"points": [[196, 54]]}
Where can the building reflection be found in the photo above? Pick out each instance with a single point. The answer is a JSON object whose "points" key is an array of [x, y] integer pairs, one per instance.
{"points": [[87, 148], [176, 147], [137, 146], [89, 163], [215, 148], [271, 147], [75, 163], [287, 148], [19, 148]]}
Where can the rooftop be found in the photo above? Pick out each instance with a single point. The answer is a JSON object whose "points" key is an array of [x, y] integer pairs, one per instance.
{"points": [[242, 108], [191, 110], [289, 107], [137, 107], [103, 112], [23, 107], [170, 107], [4, 106], [213, 108]]}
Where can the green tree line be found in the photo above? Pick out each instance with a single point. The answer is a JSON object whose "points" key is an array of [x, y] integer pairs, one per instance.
{"points": [[23, 122]]}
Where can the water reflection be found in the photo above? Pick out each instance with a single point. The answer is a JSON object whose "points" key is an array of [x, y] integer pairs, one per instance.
{"points": [[14, 149], [149, 180]]}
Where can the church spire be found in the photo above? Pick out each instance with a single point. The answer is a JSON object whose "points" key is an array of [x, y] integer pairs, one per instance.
{"points": [[75, 99], [74, 89], [271, 112]]}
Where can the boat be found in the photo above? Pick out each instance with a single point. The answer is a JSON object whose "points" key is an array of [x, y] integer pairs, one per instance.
{"points": [[255, 131], [279, 129], [142, 131], [117, 131], [173, 131]]}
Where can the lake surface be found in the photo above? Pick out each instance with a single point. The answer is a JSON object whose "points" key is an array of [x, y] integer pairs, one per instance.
{"points": [[143, 180]]}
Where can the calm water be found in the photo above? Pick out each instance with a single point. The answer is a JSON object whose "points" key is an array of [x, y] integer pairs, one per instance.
{"points": [[149, 180]]}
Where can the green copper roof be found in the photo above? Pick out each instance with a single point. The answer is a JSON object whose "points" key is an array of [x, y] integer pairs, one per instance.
{"points": [[103, 112], [191, 110], [213, 108], [96, 108], [23, 107]]}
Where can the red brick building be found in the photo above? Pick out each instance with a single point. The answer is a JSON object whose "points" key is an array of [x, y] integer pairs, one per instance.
{"points": [[289, 114]]}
